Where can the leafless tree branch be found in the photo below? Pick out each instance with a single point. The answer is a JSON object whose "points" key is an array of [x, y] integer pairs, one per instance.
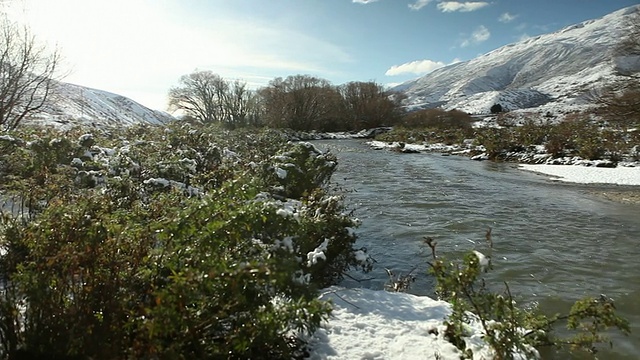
{"points": [[27, 71]]}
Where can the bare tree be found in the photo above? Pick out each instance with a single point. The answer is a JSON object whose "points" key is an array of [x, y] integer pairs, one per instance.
{"points": [[369, 105], [27, 72], [239, 105], [199, 95], [300, 102], [208, 97]]}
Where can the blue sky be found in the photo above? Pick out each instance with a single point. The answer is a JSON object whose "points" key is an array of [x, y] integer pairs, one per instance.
{"points": [[139, 48]]}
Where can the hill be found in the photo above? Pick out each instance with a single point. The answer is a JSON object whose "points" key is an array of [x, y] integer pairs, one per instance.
{"points": [[544, 73], [75, 104]]}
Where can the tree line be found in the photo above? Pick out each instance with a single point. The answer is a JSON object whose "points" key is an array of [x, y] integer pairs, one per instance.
{"points": [[298, 102]]}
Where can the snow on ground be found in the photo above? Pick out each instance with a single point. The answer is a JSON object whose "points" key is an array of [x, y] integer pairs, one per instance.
{"points": [[374, 324], [413, 147], [588, 175]]}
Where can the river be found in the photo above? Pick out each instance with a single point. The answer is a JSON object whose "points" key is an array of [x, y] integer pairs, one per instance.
{"points": [[553, 243]]}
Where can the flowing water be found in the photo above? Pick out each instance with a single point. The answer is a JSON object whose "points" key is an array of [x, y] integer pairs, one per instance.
{"points": [[553, 243]]}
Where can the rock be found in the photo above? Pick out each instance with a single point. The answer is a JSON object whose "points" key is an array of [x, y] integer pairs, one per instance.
{"points": [[371, 133], [480, 157]]}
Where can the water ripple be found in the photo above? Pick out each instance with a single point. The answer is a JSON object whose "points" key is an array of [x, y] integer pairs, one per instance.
{"points": [[553, 242]]}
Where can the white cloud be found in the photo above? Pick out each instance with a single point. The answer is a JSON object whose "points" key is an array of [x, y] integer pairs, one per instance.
{"points": [[451, 6], [363, 1], [507, 18], [419, 4], [481, 34], [418, 67]]}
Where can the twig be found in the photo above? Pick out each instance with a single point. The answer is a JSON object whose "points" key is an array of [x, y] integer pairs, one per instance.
{"points": [[335, 292], [358, 280], [432, 244]]}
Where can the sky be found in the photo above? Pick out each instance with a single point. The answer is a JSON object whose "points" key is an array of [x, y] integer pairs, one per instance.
{"points": [[140, 48]]}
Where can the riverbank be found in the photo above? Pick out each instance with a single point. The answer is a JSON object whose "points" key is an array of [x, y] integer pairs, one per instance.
{"points": [[376, 324], [623, 196], [625, 177], [554, 242]]}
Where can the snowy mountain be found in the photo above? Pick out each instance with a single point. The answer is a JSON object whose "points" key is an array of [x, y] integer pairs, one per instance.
{"points": [[74, 104], [542, 73]]}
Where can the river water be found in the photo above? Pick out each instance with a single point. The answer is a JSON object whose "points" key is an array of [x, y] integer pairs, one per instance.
{"points": [[553, 243]]}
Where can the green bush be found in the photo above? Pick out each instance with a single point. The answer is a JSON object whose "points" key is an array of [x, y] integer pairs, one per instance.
{"points": [[508, 328], [188, 244], [301, 169], [576, 136], [432, 125], [437, 119], [497, 141], [531, 133]]}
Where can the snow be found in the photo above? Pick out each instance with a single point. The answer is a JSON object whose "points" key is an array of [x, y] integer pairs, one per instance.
{"points": [[361, 256], [317, 253], [549, 73], [289, 208], [482, 260], [281, 173], [588, 175], [77, 162], [79, 105], [374, 324], [286, 244], [436, 147]]}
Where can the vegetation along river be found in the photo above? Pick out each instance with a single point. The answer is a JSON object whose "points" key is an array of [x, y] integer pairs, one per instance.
{"points": [[553, 243]]}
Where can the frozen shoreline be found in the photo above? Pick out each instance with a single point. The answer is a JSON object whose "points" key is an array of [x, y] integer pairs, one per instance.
{"points": [[588, 175], [572, 170], [376, 324]]}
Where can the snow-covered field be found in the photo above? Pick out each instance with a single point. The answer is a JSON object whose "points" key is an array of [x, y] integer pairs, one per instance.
{"points": [[588, 175], [370, 324]]}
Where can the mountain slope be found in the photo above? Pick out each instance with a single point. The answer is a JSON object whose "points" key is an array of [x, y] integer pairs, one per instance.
{"points": [[75, 104], [556, 68]]}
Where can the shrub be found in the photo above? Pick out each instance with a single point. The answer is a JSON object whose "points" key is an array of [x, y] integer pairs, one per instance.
{"points": [[576, 136], [189, 245], [432, 125], [437, 119], [301, 169], [509, 329], [497, 141], [496, 108], [531, 133]]}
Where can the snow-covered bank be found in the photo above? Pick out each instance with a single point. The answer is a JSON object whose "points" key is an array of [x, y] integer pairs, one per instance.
{"points": [[415, 148], [370, 324], [315, 135], [588, 175], [567, 169]]}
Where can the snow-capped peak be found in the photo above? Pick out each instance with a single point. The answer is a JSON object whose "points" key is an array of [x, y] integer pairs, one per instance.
{"points": [[555, 68]]}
